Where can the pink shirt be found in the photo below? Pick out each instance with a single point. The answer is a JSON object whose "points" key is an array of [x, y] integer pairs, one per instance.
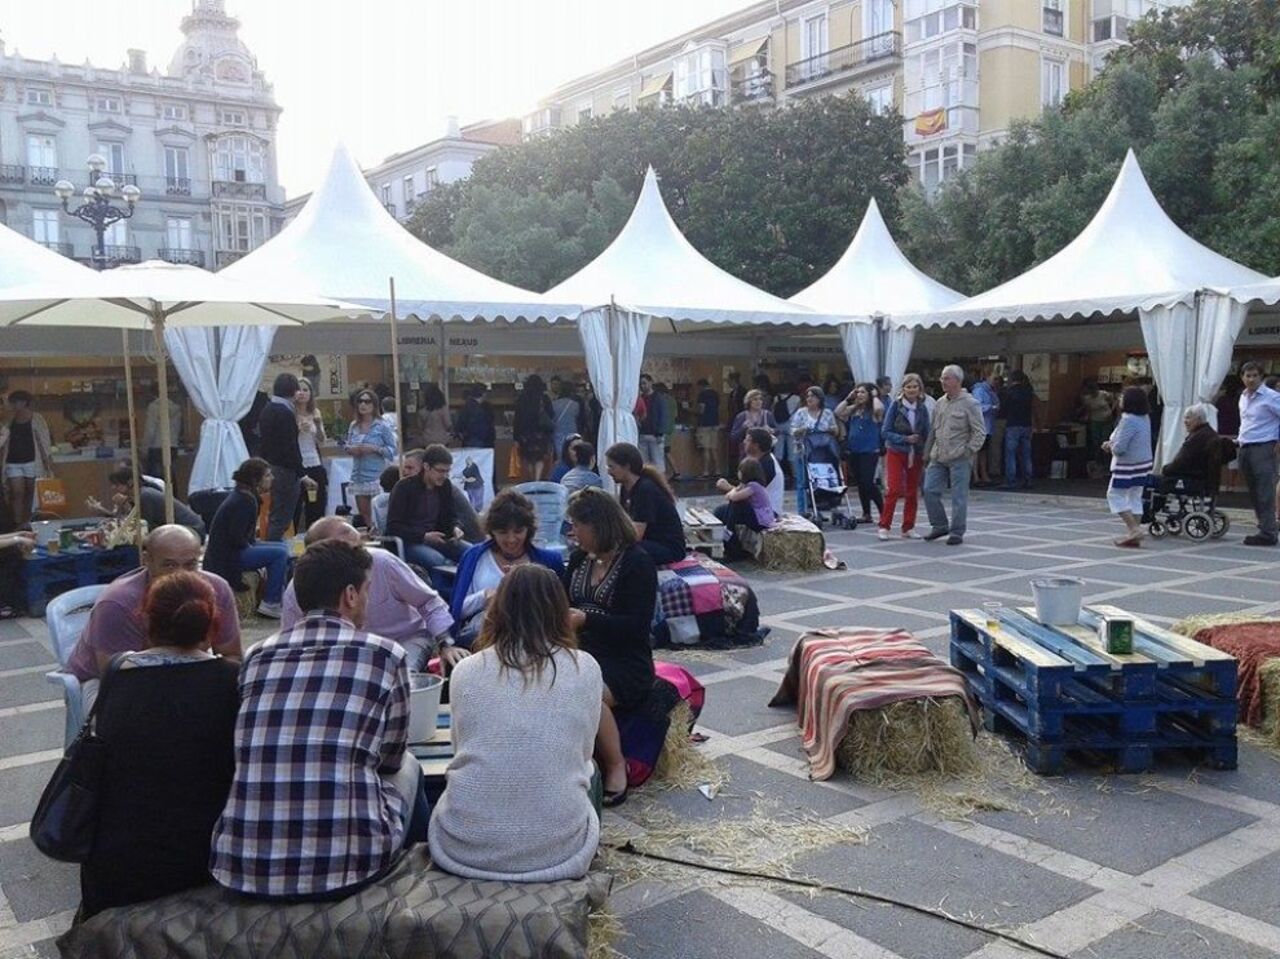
{"points": [[401, 606], [116, 624]]}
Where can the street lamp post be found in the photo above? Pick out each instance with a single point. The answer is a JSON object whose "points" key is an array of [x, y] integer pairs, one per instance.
{"points": [[97, 210]]}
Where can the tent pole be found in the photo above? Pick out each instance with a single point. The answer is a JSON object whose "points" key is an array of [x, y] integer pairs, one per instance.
{"points": [[444, 363], [395, 374], [166, 457], [134, 439]]}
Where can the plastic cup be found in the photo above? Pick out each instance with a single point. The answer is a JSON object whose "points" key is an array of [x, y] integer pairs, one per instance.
{"points": [[991, 610], [312, 494]]}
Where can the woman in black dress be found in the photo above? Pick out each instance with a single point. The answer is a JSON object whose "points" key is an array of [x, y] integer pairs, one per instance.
{"points": [[613, 586], [649, 502], [167, 715]]}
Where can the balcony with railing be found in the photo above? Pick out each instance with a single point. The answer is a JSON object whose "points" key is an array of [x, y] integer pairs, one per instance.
{"points": [[43, 175], [227, 257], [844, 61], [122, 254], [187, 257], [177, 186], [59, 246], [12, 173], [239, 190], [120, 179], [751, 89]]}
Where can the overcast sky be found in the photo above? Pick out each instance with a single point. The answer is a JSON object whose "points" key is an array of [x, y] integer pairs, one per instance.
{"points": [[383, 75]]}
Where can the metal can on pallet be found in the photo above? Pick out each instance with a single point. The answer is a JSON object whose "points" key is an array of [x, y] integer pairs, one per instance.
{"points": [[1116, 634]]}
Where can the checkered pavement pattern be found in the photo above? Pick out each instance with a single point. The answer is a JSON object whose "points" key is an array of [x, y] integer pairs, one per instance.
{"points": [[1181, 862]]}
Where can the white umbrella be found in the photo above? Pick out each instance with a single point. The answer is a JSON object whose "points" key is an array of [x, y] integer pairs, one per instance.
{"points": [[155, 294]]}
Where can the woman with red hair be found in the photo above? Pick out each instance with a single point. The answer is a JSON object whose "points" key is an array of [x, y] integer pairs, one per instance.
{"points": [[167, 715]]}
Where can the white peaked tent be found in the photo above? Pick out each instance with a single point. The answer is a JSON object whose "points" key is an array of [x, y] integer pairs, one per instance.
{"points": [[873, 281], [23, 261], [1266, 293], [650, 271], [1132, 257]]}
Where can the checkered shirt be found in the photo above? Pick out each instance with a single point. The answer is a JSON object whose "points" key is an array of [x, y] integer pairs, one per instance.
{"points": [[323, 717]]}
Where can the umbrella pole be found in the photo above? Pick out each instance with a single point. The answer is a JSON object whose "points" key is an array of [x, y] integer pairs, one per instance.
{"points": [[162, 361], [134, 438], [395, 373], [444, 363]]}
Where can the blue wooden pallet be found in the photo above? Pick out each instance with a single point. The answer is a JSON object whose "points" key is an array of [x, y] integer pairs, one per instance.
{"points": [[46, 575], [1060, 691]]}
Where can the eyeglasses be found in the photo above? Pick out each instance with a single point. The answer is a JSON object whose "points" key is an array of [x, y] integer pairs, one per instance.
{"points": [[364, 402]]}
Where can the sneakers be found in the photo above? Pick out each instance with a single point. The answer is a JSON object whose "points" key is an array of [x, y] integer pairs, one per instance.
{"points": [[1257, 539], [269, 610], [936, 534], [910, 534], [882, 534], [955, 539]]}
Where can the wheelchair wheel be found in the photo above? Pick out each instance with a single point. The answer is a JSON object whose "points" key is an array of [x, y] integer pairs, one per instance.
{"points": [[1157, 529], [1174, 525], [1221, 523], [1198, 525]]}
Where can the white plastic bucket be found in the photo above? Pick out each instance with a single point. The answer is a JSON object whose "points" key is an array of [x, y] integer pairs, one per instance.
{"points": [[1057, 600], [45, 531], [424, 706]]}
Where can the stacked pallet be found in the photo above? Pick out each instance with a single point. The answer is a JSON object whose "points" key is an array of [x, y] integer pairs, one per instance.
{"points": [[1059, 690]]}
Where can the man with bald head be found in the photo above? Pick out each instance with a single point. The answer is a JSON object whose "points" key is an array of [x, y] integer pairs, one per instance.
{"points": [[401, 606], [116, 624]]}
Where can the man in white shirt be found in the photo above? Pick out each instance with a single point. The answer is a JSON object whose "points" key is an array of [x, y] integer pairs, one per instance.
{"points": [[1259, 434]]}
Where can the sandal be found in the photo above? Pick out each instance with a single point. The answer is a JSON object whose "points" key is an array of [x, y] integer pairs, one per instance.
{"points": [[609, 800]]}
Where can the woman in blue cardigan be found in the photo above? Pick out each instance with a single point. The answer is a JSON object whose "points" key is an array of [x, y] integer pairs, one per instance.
{"points": [[233, 545], [510, 524], [1131, 462]]}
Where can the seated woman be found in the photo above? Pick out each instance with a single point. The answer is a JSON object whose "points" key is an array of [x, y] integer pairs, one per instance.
{"points": [[565, 463], [509, 525], [526, 711], [612, 585], [747, 504], [233, 545], [649, 502], [167, 714], [583, 474]]}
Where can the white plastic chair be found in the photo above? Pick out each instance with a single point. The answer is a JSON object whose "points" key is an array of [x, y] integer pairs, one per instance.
{"points": [[66, 616], [550, 500]]}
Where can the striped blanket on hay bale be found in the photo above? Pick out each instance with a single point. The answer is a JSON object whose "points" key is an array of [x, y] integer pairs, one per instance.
{"points": [[877, 701], [1255, 643]]}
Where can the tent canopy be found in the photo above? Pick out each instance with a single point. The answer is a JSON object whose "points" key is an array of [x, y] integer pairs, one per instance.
{"points": [[873, 278], [650, 268], [1130, 257], [1266, 293], [24, 262], [345, 244]]}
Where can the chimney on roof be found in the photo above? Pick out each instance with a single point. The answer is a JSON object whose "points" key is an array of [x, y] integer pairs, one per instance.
{"points": [[451, 127], [138, 61]]}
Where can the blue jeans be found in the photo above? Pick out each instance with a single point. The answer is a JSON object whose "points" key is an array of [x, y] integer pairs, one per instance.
{"points": [[1017, 450], [429, 557], [274, 557], [936, 478]]}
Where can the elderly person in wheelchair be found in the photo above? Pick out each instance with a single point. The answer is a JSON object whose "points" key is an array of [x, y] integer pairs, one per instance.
{"points": [[1183, 495]]}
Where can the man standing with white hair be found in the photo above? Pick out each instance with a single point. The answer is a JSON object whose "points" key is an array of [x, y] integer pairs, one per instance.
{"points": [[956, 433]]}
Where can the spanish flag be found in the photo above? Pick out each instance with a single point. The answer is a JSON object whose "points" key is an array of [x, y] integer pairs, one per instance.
{"points": [[931, 122]]}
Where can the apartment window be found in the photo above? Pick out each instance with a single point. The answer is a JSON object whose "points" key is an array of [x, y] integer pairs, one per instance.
{"points": [[106, 104], [117, 234], [232, 118], [701, 76], [923, 19], [813, 44], [174, 111], [240, 228], [44, 226], [177, 163], [432, 178], [1053, 82], [239, 160], [945, 76], [621, 99], [39, 97], [113, 153], [410, 194], [42, 151], [877, 25], [1052, 17], [584, 112], [880, 99], [177, 231], [386, 194], [931, 171]]}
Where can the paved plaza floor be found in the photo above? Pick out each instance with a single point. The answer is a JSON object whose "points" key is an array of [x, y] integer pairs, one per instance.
{"points": [[1183, 862]]}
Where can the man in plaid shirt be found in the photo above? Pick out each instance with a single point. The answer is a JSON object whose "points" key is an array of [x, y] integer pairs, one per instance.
{"points": [[325, 793]]}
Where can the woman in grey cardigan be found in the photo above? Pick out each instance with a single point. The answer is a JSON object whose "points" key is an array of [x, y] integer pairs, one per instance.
{"points": [[1131, 463], [526, 710]]}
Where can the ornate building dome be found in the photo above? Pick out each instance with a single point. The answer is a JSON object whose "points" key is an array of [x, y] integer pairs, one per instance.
{"points": [[213, 49]]}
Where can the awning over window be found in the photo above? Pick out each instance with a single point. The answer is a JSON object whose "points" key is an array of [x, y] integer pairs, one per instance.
{"points": [[745, 51], [655, 85]]}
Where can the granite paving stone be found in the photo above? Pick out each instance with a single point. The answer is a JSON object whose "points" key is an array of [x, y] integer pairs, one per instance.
{"points": [[742, 706], [31, 732], [35, 885], [1253, 890], [1160, 935], [698, 926]]}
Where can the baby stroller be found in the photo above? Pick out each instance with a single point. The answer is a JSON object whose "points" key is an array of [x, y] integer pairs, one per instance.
{"points": [[820, 462], [1175, 504]]}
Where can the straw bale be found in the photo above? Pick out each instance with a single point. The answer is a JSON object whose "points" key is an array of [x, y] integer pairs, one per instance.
{"points": [[1193, 624], [680, 765], [911, 736], [1269, 680]]}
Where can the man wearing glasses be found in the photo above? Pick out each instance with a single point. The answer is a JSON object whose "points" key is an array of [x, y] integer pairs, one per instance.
{"points": [[422, 513]]}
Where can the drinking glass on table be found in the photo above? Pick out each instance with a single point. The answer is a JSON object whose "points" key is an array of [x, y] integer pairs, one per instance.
{"points": [[991, 610]]}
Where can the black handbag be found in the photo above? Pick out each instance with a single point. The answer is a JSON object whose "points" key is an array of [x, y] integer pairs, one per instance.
{"points": [[66, 818]]}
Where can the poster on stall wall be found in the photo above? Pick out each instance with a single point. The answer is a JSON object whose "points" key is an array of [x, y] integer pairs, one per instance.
{"points": [[1036, 366], [326, 371], [472, 472]]}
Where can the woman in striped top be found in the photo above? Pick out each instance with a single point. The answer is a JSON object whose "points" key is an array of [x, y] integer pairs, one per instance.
{"points": [[1130, 449]]}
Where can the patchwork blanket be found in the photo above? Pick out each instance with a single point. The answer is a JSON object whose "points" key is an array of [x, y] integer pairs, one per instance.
{"points": [[414, 912], [701, 601], [793, 543], [1252, 644], [835, 672]]}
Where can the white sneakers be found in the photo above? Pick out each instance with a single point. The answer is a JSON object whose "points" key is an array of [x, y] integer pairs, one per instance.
{"points": [[882, 534], [269, 610], [910, 534]]}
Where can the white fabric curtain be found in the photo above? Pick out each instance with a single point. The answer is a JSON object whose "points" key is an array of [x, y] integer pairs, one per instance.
{"points": [[861, 350], [1190, 347], [221, 368], [899, 341], [613, 340]]}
